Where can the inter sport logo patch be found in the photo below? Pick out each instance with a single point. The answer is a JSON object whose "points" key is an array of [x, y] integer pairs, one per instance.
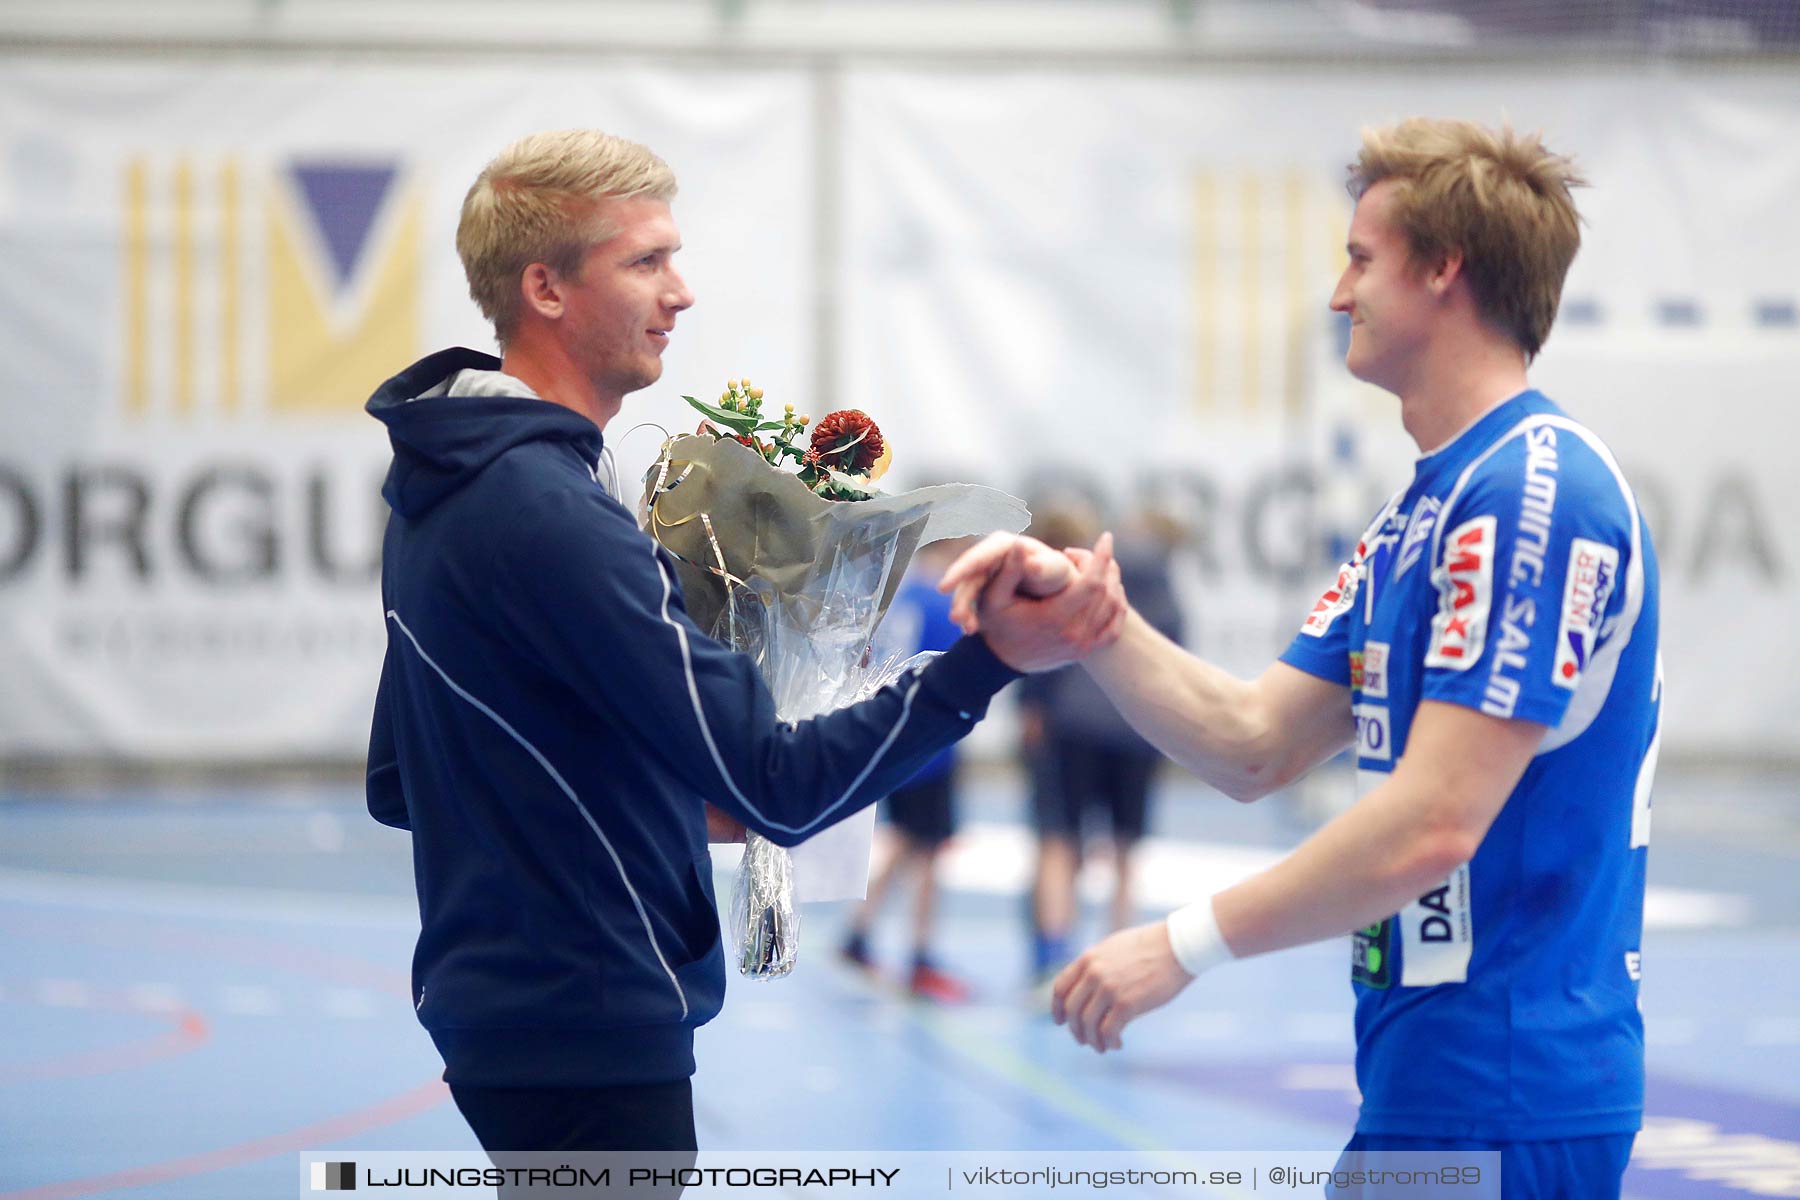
{"points": [[1593, 569]]}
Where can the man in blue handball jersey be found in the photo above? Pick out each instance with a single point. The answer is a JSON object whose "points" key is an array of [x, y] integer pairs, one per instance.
{"points": [[1490, 651]]}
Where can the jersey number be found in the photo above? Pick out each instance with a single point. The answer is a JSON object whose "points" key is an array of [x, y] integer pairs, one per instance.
{"points": [[1640, 801]]}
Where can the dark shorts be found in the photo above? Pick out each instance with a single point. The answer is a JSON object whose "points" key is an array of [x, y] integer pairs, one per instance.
{"points": [[643, 1116], [1071, 779], [1588, 1168], [924, 812], [519, 1127]]}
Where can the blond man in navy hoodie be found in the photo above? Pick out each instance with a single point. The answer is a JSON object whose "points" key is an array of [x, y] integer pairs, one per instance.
{"points": [[551, 726]]}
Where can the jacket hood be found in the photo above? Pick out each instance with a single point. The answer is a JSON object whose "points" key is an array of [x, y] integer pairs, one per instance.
{"points": [[441, 442]]}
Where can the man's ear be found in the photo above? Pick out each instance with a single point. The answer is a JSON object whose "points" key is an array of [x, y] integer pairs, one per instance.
{"points": [[1444, 274], [540, 287]]}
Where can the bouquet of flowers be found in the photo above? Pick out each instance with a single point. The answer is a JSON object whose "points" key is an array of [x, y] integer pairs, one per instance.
{"points": [[796, 567]]}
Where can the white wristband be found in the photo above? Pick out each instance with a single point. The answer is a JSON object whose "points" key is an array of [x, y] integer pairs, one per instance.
{"points": [[1195, 938]]}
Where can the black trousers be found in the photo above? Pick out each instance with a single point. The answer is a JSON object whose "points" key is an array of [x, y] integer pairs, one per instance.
{"points": [[510, 1122]]}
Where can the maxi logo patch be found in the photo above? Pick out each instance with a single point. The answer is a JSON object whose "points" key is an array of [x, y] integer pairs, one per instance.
{"points": [[1587, 588], [1465, 585]]}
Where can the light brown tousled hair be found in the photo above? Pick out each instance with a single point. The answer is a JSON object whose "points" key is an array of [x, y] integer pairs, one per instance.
{"points": [[1496, 197], [536, 202]]}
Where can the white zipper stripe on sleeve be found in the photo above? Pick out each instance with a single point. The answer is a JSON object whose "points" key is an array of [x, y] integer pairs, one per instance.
{"points": [[712, 746], [568, 791], [1597, 681]]}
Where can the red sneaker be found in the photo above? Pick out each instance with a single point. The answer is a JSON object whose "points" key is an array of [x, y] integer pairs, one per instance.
{"points": [[929, 983]]}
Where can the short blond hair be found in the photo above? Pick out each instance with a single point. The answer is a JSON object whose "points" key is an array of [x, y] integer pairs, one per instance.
{"points": [[535, 202], [1498, 198]]}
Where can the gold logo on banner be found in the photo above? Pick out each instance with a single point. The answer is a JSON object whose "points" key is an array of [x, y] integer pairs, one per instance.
{"points": [[1268, 248], [289, 290]]}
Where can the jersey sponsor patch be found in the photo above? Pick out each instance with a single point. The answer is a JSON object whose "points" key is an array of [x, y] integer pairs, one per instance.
{"points": [[1337, 598], [1587, 587], [1537, 509], [1517, 616], [1465, 585], [1374, 670], [1371, 955], [1437, 936], [1373, 733]]}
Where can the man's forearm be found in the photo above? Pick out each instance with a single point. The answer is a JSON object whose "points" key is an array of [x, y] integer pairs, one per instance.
{"points": [[1204, 718], [1361, 867], [1392, 846]]}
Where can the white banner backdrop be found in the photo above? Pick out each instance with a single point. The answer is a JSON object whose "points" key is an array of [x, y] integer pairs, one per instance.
{"points": [[1122, 282], [1080, 279], [208, 268]]}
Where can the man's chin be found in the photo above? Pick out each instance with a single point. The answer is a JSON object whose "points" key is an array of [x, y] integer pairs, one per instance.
{"points": [[641, 378]]}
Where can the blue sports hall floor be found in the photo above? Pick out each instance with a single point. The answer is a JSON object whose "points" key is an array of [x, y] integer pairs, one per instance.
{"points": [[197, 983]]}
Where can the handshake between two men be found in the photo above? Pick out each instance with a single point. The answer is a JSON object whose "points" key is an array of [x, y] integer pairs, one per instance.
{"points": [[1040, 608]]}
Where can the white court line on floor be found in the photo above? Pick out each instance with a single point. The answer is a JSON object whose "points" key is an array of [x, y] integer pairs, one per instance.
{"points": [[1333, 1028], [1213, 1026], [352, 1004], [1671, 1031], [241, 999], [155, 997], [220, 902], [997, 860], [1321, 1077], [987, 859], [250, 1000], [64, 993], [1773, 1031]]}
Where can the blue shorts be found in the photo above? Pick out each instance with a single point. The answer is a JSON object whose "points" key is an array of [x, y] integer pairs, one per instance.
{"points": [[1588, 1168]]}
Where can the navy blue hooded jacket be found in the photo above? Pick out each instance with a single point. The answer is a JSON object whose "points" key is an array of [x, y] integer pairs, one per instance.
{"points": [[548, 724]]}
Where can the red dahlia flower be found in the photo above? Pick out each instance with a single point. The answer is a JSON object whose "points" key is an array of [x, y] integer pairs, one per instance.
{"points": [[848, 441]]}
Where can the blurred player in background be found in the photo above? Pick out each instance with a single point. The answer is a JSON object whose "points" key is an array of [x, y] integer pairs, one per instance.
{"points": [[921, 813], [1087, 766]]}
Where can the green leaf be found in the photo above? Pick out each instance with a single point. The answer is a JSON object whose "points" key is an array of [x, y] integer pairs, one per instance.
{"points": [[737, 422], [837, 486]]}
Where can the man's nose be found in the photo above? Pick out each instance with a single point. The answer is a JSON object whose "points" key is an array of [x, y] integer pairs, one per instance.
{"points": [[679, 296], [1340, 296]]}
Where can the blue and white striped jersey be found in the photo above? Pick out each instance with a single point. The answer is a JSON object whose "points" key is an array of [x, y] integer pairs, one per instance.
{"points": [[1513, 576]]}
